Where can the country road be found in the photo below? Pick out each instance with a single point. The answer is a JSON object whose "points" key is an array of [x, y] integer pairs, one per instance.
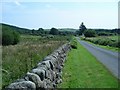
{"points": [[108, 58]]}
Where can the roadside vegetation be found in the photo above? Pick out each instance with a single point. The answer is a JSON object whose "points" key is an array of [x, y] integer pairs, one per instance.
{"points": [[22, 57], [73, 43], [108, 39], [82, 70], [90, 33], [107, 42]]}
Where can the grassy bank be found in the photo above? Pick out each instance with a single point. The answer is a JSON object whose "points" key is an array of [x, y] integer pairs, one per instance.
{"points": [[82, 70], [19, 59], [106, 42], [114, 49]]}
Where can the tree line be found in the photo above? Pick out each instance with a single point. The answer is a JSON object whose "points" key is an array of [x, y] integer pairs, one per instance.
{"points": [[96, 32]]}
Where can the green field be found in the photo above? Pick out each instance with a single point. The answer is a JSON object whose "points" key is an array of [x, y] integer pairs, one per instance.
{"points": [[82, 70], [19, 59]]}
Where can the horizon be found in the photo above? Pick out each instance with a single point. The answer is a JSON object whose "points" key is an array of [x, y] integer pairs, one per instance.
{"points": [[34, 15], [57, 28]]}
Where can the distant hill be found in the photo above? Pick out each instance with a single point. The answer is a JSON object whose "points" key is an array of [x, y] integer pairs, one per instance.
{"points": [[29, 31], [46, 31], [18, 29]]}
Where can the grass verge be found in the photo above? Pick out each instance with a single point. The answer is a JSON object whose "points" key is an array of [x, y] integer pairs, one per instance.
{"points": [[82, 70]]}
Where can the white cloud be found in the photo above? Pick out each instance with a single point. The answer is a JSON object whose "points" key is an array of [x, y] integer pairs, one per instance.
{"points": [[17, 2]]}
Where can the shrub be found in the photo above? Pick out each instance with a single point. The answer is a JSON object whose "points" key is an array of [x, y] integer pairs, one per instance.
{"points": [[16, 37], [102, 34], [90, 33], [115, 44], [105, 34], [96, 41], [104, 41], [101, 42], [74, 43], [10, 37], [54, 31]]}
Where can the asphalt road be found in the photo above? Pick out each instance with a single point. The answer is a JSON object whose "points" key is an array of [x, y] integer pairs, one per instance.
{"points": [[106, 57]]}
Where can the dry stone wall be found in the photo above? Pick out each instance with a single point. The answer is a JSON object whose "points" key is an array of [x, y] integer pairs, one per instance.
{"points": [[47, 74]]}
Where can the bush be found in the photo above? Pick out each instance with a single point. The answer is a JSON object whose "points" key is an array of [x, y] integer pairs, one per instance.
{"points": [[74, 43], [96, 41], [105, 34], [115, 44], [10, 37], [104, 41], [16, 37], [90, 33], [54, 31]]}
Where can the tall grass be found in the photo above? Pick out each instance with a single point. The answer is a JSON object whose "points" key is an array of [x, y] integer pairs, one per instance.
{"points": [[19, 59], [111, 41], [73, 43]]}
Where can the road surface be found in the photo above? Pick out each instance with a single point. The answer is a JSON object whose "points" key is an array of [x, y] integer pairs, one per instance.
{"points": [[106, 57]]}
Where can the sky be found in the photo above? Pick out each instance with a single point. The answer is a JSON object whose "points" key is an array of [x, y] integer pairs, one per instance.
{"points": [[34, 14]]}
